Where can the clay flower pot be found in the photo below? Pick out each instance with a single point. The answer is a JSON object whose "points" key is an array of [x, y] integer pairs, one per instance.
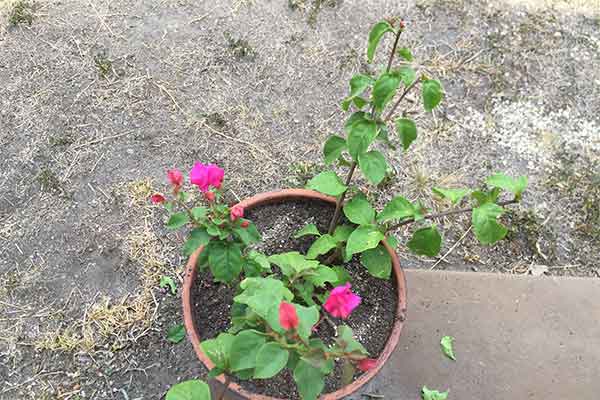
{"points": [[282, 196]]}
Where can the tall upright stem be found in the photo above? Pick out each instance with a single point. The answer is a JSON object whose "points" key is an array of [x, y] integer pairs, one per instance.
{"points": [[389, 65], [402, 96], [340, 200]]}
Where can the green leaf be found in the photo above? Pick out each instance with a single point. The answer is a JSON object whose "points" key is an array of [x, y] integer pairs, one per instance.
{"points": [[483, 197], [198, 237], [373, 166], [384, 90], [271, 359], [308, 230], [322, 275], [321, 246], [248, 235], [176, 333], [348, 372], [487, 229], [244, 349], [168, 281], [407, 131], [433, 394], [333, 148], [260, 259], [346, 341], [454, 195], [375, 35], [361, 135], [405, 53], [354, 118], [307, 317], [343, 276], [377, 261], [358, 84], [446, 343], [178, 220], [342, 233], [317, 358], [199, 213], [359, 102], [407, 75], [426, 242], [397, 209], [256, 263], [245, 374], [432, 93], [392, 241], [263, 296], [219, 350], [309, 380], [327, 183], [189, 390], [293, 263], [305, 290], [363, 238], [515, 186], [225, 260], [359, 210]]}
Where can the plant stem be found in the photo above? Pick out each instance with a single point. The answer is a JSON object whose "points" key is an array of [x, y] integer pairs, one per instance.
{"points": [[408, 89], [389, 65], [340, 200], [226, 386], [445, 214]]}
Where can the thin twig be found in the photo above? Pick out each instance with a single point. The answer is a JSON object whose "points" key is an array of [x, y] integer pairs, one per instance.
{"points": [[100, 140], [445, 214], [452, 248], [408, 89], [338, 204]]}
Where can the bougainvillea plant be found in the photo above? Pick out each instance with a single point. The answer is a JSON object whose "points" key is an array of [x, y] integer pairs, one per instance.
{"points": [[376, 101], [222, 230], [276, 311]]}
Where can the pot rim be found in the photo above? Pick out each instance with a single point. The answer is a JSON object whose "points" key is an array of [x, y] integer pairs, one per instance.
{"points": [[280, 196]]}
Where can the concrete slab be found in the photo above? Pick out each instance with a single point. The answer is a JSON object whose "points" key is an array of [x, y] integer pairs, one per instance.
{"points": [[516, 338]]}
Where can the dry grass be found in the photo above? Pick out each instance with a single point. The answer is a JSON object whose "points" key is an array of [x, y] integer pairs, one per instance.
{"points": [[118, 322]]}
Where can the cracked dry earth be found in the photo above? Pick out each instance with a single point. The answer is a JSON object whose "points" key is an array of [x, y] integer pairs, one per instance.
{"points": [[98, 98]]}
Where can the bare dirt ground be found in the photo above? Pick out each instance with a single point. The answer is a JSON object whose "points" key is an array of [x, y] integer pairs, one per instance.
{"points": [[98, 98]]}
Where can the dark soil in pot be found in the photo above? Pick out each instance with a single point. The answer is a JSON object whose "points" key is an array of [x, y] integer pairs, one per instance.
{"points": [[371, 322]]}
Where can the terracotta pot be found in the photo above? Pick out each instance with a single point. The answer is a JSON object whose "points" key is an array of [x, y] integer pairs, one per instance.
{"points": [[281, 197]]}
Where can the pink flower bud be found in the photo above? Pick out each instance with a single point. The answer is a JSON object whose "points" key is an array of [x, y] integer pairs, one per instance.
{"points": [[245, 224], [175, 177], [288, 319], [209, 196], [341, 302], [236, 212], [366, 364], [157, 198]]}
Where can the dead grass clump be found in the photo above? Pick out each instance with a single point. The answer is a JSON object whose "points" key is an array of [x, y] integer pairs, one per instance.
{"points": [[21, 12], [113, 323]]}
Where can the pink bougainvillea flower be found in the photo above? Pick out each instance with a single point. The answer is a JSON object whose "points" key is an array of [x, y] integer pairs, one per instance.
{"points": [[245, 224], [215, 176], [236, 212], [209, 196], [205, 176], [287, 316], [366, 364], [175, 177], [341, 301], [157, 198]]}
